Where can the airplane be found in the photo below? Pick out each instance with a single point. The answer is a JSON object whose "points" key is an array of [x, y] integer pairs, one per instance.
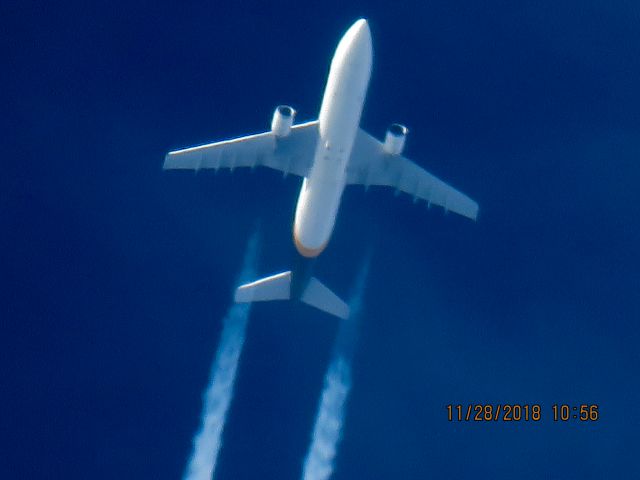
{"points": [[328, 153]]}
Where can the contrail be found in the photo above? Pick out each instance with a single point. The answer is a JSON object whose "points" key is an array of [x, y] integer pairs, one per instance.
{"points": [[327, 431], [217, 397]]}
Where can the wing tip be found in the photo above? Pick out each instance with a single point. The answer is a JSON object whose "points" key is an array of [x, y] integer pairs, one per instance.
{"points": [[475, 212], [167, 161]]}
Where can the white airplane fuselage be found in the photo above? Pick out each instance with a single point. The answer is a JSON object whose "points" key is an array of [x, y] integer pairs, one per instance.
{"points": [[339, 120]]}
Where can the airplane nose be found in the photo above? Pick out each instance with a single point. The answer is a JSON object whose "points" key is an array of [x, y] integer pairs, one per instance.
{"points": [[358, 37], [356, 46], [361, 32]]}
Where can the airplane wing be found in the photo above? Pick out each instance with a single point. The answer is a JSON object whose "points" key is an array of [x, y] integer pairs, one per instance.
{"points": [[290, 154], [371, 165]]}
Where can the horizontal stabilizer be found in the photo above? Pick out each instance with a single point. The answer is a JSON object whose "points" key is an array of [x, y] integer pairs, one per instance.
{"points": [[319, 296], [278, 287], [275, 287]]}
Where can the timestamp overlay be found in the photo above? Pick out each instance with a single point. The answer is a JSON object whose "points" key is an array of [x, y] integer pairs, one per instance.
{"points": [[522, 412]]}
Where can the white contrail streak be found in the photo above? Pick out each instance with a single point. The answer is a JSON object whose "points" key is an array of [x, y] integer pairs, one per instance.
{"points": [[217, 398], [327, 431], [318, 464]]}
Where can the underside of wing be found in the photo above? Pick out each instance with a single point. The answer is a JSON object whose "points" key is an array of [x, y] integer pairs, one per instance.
{"points": [[289, 154], [371, 165]]}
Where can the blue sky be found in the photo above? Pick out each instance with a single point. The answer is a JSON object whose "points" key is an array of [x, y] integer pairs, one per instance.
{"points": [[117, 275]]}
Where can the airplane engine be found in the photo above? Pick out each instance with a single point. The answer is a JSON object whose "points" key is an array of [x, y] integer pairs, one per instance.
{"points": [[282, 120], [395, 138]]}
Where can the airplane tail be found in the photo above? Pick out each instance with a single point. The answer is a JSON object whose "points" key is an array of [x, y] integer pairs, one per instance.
{"points": [[278, 287]]}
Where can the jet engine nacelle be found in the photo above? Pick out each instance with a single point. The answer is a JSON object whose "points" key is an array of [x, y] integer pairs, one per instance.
{"points": [[282, 120], [395, 138]]}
